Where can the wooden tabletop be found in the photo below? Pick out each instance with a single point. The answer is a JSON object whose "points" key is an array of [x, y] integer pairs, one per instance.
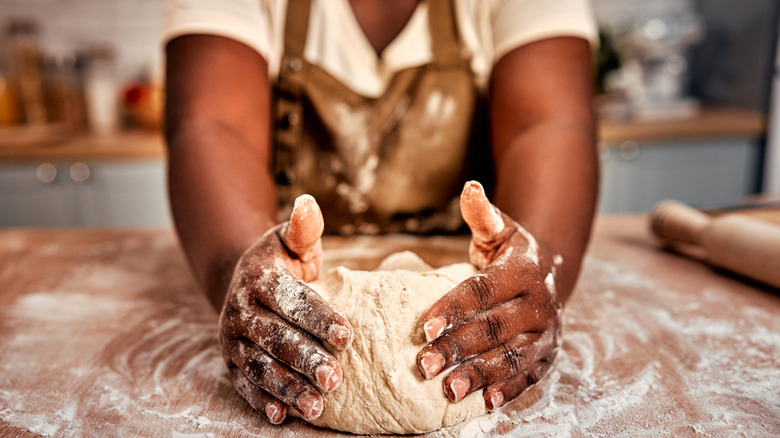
{"points": [[103, 333]]}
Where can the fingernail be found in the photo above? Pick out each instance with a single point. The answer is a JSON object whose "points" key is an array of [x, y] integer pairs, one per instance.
{"points": [[459, 387], [300, 201], [340, 337], [327, 378], [432, 364], [433, 328], [475, 185], [497, 399], [310, 407], [273, 414]]}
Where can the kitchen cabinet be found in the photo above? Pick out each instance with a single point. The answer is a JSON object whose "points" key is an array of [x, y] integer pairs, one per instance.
{"points": [[634, 176], [85, 180], [711, 161], [105, 194]]}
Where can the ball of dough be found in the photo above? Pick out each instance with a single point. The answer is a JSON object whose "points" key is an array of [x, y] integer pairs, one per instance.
{"points": [[382, 390]]}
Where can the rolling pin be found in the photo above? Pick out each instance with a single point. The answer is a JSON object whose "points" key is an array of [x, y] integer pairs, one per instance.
{"points": [[735, 242]]}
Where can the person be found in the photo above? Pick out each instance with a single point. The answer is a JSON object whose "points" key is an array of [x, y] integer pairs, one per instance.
{"points": [[373, 107]]}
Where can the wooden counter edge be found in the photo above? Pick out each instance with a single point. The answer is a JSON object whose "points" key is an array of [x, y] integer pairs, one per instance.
{"points": [[712, 124], [126, 145]]}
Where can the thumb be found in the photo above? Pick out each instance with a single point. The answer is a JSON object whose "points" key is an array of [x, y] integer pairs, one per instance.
{"points": [[483, 218], [301, 235]]}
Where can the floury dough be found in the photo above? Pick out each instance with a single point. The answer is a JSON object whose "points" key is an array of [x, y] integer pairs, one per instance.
{"points": [[382, 390]]}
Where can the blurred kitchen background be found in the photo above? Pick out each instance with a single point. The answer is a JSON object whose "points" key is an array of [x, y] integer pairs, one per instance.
{"points": [[684, 93]]}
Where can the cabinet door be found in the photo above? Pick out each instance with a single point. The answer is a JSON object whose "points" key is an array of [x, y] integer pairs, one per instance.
{"points": [[38, 195], [131, 194], [701, 174]]}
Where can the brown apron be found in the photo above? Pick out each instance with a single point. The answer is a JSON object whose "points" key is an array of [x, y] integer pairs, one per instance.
{"points": [[395, 163]]}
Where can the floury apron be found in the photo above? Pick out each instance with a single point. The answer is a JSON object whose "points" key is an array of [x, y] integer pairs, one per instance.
{"points": [[395, 163]]}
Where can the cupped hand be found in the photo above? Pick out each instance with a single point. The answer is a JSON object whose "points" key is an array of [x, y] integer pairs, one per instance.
{"points": [[502, 326], [272, 324]]}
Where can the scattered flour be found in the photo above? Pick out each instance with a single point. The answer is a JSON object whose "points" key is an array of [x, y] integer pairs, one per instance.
{"points": [[656, 362], [650, 365]]}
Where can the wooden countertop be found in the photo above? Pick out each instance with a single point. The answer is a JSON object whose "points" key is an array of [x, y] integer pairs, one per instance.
{"points": [[713, 123], [132, 145], [103, 333]]}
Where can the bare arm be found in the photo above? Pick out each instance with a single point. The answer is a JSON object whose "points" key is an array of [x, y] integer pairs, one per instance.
{"points": [[502, 326], [272, 324], [218, 134], [543, 131]]}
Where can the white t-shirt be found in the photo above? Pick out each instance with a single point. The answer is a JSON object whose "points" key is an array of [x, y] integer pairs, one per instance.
{"points": [[336, 43]]}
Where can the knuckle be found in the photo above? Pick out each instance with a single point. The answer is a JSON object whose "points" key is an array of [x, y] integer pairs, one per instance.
{"points": [[258, 367], [276, 341], [482, 291], [539, 371], [450, 349], [294, 348], [514, 358], [239, 381], [481, 373], [227, 321], [534, 376], [494, 328]]}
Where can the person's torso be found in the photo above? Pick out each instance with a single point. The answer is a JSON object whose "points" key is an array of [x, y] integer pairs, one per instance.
{"points": [[336, 43], [390, 162]]}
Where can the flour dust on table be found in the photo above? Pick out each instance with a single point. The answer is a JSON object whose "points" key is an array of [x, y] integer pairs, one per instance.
{"points": [[105, 333]]}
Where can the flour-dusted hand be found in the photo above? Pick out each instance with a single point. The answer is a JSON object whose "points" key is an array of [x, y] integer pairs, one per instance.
{"points": [[501, 325], [272, 324]]}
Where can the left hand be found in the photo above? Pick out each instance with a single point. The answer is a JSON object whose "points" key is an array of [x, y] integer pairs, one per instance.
{"points": [[502, 326]]}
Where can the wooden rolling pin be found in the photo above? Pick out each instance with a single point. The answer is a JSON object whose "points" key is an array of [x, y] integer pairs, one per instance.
{"points": [[735, 242]]}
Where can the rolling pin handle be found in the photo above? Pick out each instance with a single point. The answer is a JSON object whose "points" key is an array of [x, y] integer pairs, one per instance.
{"points": [[675, 222]]}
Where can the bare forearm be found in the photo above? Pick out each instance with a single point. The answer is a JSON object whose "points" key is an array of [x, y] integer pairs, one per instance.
{"points": [[218, 132], [221, 202], [543, 133], [547, 180]]}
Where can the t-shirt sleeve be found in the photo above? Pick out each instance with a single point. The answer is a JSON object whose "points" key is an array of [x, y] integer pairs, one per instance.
{"points": [[246, 21], [518, 22]]}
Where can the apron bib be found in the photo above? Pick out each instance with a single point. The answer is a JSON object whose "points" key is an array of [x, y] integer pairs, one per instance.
{"points": [[395, 163]]}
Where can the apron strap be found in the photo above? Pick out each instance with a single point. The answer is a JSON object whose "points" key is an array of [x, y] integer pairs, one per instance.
{"points": [[288, 107], [442, 22], [444, 31], [296, 27]]}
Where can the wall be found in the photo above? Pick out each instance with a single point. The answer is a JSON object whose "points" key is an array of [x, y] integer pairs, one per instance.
{"points": [[734, 62], [132, 27]]}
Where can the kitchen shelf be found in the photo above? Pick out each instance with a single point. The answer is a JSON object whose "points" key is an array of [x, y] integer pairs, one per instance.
{"points": [[714, 123], [125, 145]]}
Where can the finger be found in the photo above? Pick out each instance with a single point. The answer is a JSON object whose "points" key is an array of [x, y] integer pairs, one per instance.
{"points": [[278, 380], [301, 235], [483, 332], [512, 358], [287, 343], [289, 297], [483, 218], [491, 229], [261, 401], [502, 392], [492, 286]]}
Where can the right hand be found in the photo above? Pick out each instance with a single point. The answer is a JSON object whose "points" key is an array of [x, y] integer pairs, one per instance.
{"points": [[272, 323]]}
